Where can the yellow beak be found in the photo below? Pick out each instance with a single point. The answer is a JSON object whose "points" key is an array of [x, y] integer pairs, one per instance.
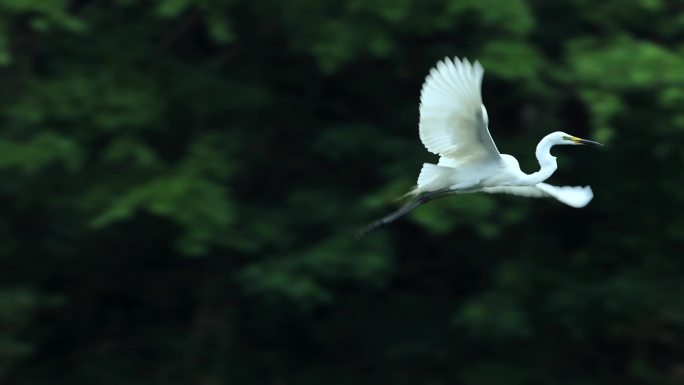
{"points": [[577, 140]]}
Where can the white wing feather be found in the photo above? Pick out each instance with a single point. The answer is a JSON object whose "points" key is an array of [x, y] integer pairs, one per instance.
{"points": [[574, 196], [453, 120]]}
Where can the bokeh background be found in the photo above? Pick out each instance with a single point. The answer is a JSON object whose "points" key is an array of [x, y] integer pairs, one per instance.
{"points": [[182, 181]]}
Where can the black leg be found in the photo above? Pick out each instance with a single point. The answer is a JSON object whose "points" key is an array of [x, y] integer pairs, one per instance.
{"points": [[407, 208]]}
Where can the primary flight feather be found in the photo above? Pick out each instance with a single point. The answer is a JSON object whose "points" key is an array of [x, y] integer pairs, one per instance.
{"points": [[454, 125]]}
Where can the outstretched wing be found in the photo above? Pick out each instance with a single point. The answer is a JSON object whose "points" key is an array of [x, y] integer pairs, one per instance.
{"points": [[453, 120], [574, 196]]}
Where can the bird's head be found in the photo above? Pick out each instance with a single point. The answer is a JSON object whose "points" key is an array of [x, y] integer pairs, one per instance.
{"points": [[563, 138]]}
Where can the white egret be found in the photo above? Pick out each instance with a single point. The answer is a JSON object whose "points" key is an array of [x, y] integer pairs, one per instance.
{"points": [[453, 125]]}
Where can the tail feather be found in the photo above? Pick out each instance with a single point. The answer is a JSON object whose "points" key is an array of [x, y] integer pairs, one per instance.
{"points": [[430, 175]]}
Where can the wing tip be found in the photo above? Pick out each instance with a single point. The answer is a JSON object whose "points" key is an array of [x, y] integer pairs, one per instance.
{"points": [[583, 196]]}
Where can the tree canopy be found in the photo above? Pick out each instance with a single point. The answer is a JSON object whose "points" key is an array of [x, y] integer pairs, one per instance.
{"points": [[182, 181]]}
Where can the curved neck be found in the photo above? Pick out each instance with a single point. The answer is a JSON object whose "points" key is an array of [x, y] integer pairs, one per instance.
{"points": [[547, 162]]}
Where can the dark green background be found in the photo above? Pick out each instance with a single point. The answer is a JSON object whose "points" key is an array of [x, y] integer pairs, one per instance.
{"points": [[181, 181]]}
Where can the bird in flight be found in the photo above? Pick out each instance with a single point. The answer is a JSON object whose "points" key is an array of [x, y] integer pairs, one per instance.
{"points": [[454, 125]]}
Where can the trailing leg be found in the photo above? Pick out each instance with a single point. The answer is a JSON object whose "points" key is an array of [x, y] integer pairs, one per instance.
{"points": [[407, 208]]}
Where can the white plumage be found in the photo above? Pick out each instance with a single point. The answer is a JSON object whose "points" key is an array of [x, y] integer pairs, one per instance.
{"points": [[574, 196], [453, 120], [454, 125]]}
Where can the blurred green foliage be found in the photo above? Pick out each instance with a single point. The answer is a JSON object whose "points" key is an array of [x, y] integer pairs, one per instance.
{"points": [[182, 180]]}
